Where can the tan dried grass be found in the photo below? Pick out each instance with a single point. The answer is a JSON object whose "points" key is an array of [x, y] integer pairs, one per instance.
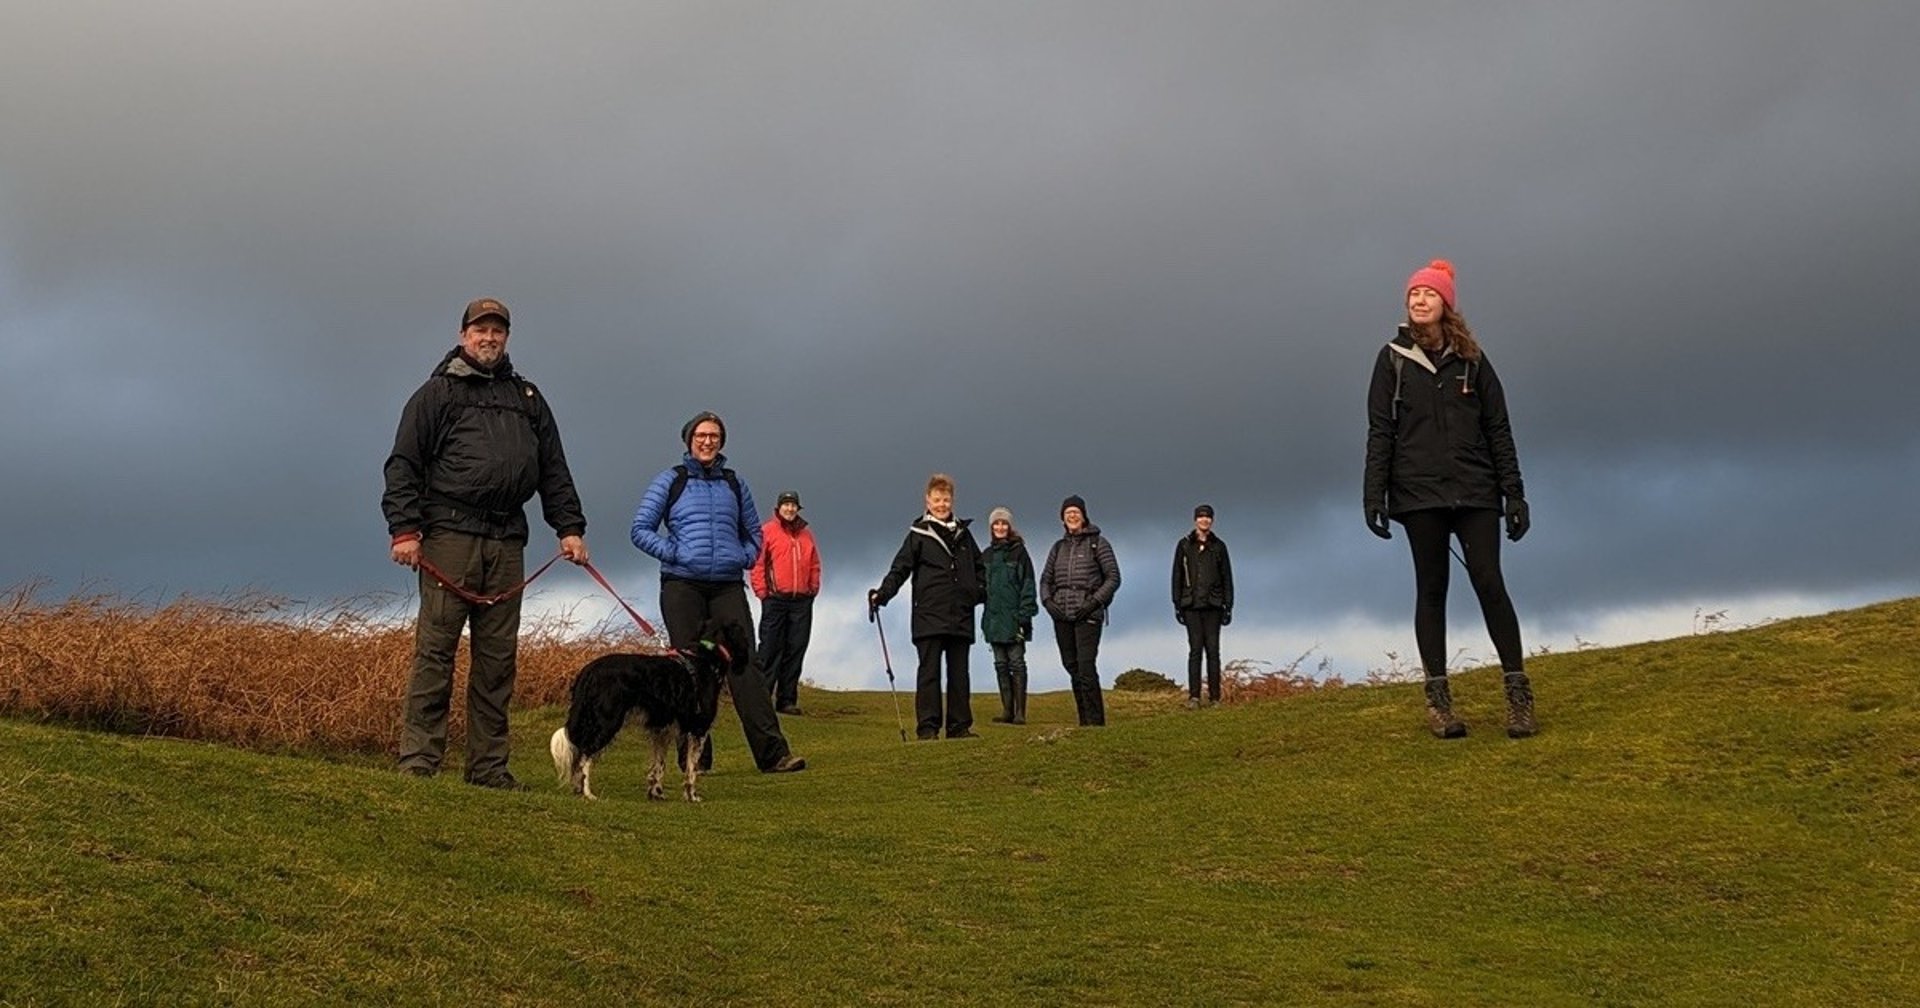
{"points": [[253, 669]]}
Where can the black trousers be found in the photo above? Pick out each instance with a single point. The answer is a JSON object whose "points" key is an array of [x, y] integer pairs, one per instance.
{"points": [[1203, 641], [926, 695], [786, 627], [1079, 649], [717, 611], [1478, 530]]}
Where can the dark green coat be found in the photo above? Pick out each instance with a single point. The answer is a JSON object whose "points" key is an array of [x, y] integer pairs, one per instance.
{"points": [[1011, 595]]}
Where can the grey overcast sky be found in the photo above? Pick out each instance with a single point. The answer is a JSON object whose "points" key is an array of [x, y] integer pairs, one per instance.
{"points": [[1144, 253]]}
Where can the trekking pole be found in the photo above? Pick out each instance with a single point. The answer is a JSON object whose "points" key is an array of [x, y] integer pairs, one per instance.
{"points": [[873, 617]]}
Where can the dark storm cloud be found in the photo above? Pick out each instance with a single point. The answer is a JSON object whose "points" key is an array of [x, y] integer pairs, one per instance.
{"points": [[1143, 253]]}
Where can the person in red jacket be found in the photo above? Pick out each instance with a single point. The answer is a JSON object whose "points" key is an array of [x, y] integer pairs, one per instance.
{"points": [[786, 580]]}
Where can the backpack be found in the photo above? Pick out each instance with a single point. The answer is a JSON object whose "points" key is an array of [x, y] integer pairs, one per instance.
{"points": [[681, 474]]}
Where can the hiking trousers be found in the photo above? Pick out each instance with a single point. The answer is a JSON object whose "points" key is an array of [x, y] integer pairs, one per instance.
{"points": [[927, 713], [1203, 642], [1079, 649], [693, 608], [786, 627], [482, 566]]}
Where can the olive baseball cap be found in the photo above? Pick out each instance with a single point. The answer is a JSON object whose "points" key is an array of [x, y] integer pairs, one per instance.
{"points": [[483, 307]]}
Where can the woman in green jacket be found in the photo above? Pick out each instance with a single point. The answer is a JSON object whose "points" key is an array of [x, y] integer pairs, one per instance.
{"points": [[1007, 620]]}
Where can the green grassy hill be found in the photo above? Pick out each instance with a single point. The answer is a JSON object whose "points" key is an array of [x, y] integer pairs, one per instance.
{"points": [[1719, 820]]}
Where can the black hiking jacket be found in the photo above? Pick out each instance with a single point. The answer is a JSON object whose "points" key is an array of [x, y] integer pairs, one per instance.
{"points": [[949, 578], [1444, 441], [473, 447]]}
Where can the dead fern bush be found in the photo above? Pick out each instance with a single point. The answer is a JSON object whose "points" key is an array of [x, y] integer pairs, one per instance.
{"points": [[251, 669], [1247, 679]]}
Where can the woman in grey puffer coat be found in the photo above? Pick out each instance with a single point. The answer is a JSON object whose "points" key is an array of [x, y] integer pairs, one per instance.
{"points": [[1078, 584]]}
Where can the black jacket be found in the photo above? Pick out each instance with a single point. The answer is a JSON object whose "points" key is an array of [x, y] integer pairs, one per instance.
{"points": [[1445, 440], [472, 449], [1202, 575], [948, 578], [1081, 577]]}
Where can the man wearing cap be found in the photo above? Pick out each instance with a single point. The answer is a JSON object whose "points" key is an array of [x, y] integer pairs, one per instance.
{"points": [[698, 519], [1202, 600], [475, 444], [785, 580]]}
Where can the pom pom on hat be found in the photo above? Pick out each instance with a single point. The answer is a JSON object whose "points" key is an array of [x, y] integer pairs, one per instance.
{"points": [[1438, 275]]}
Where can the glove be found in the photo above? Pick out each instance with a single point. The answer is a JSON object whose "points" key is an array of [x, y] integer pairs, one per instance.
{"points": [[1180, 616], [873, 599], [1026, 630], [1226, 616], [1517, 520], [1377, 521]]}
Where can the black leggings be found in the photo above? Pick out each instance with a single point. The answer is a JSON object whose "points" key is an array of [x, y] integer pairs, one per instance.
{"points": [[1478, 529]]}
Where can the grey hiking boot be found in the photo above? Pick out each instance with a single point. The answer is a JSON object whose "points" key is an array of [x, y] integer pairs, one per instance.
{"points": [[1440, 719], [1520, 722]]}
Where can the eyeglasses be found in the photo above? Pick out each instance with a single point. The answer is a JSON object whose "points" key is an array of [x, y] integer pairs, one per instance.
{"points": [[706, 437]]}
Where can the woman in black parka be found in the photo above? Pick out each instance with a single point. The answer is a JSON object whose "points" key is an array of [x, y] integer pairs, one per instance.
{"points": [[942, 559], [1441, 462]]}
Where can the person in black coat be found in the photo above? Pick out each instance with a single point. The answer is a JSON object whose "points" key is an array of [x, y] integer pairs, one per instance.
{"points": [[1441, 462], [1078, 584], [949, 580], [1202, 600], [474, 445]]}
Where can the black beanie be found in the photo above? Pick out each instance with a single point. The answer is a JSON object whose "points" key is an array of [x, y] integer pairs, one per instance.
{"points": [[1073, 502], [686, 432]]}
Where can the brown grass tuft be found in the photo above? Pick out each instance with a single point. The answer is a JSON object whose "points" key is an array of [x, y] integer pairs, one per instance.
{"points": [[252, 669]]}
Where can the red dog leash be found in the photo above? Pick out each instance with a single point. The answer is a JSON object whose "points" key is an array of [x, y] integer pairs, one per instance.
{"points": [[486, 600], [645, 627]]}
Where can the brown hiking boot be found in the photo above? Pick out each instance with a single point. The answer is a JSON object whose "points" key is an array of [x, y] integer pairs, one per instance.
{"points": [[1520, 722], [1440, 719], [1442, 723]]}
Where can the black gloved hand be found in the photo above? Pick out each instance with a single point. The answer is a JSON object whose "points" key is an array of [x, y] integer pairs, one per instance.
{"points": [[1517, 520], [873, 599], [1377, 521], [1180, 616], [1026, 629], [1226, 616]]}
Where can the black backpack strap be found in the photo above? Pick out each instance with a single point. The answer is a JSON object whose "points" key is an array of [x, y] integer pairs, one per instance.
{"points": [[681, 474]]}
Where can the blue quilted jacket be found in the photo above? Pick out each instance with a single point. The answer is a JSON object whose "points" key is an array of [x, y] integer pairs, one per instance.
{"points": [[706, 538]]}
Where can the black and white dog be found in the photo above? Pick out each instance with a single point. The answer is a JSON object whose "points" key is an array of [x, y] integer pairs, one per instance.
{"points": [[676, 692]]}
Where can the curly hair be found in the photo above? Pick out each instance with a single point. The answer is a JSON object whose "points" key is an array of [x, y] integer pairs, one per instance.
{"points": [[1452, 331]]}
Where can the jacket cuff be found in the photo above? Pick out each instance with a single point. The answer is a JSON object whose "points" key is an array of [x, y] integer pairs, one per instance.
{"points": [[400, 537], [577, 530]]}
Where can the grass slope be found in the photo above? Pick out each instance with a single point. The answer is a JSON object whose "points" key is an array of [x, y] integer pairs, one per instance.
{"points": [[1728, 819]]}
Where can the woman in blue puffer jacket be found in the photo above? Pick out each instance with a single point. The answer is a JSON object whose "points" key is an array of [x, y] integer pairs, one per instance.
{"points": [[711, 537]]}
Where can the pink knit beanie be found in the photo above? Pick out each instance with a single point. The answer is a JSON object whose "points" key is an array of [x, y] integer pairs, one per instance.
{"points": [[1438, 275]]}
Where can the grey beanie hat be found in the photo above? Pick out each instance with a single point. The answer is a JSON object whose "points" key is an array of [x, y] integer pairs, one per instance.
{"points": [[1000, 514]]}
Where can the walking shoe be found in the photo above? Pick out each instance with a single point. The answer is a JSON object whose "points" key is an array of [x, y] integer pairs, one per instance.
{"points": [[1440, 719], [1442, 723], [418, 770], [788, 764], [1193, 703], [968, 733], [790, 710], [502, 781], [1002, 719], [1520, 722]]}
